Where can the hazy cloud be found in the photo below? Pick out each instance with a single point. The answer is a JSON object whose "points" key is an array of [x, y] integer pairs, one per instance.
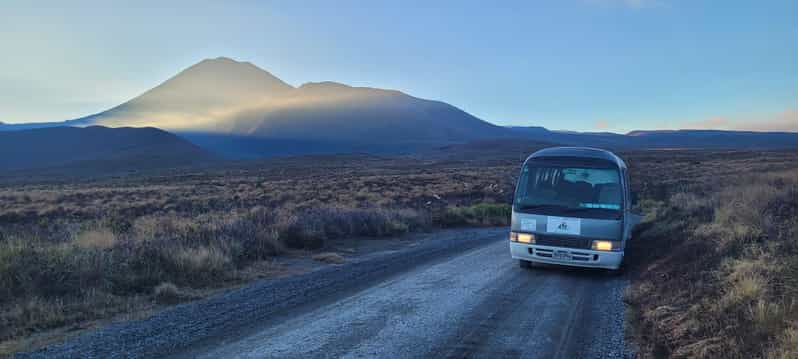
{"points": [[715, 122], [602, 125], [782, 121]]}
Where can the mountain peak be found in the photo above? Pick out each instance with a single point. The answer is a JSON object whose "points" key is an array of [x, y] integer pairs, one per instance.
{"points": [[227, 64], [223, 60], [196, 94], [215, 77]]}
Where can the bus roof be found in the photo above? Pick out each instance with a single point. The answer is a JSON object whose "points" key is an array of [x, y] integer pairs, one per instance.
{"points": [[579, 152]]}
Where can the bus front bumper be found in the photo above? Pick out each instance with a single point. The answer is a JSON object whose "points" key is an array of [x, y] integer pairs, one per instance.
{"points": [[566, 256]]}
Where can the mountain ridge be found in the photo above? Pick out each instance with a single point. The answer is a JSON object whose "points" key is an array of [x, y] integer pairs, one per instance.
{"points": [[224, 97], [236, 108]]}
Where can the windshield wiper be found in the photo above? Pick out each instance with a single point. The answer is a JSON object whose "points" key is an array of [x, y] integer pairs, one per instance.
{"points": [[559, 207], [540, 206], [577, 209]]}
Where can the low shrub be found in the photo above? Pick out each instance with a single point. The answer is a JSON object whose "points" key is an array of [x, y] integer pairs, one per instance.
{"points": [[482, 214], [168, 293], [48, 271], [715, 274], [46, 283], [310, 228]]}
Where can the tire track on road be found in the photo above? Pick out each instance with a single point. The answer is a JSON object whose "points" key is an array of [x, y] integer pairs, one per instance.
{"points": [[490, 314]]}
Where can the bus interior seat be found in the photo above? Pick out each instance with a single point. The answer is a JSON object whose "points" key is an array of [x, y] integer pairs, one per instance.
{"points": [[574, 193], [583, 192], [609, 193]]}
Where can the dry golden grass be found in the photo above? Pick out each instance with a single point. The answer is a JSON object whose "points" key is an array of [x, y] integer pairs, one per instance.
{"points": [[329, 257], [101, 238], [168, 293], [786, 347], [716, 270], [75, 252]]}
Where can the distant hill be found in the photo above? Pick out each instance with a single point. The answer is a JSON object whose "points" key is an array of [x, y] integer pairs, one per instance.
{"points": [[33, 125], [96, 149], [513, 150], [541, 134], [713, 139], [709, 139]]}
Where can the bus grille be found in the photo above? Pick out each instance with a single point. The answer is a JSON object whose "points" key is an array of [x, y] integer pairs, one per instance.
{"points": [[568, 242]]}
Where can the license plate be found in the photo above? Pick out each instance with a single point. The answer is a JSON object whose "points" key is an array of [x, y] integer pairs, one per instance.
{"points": [[562, 255]]}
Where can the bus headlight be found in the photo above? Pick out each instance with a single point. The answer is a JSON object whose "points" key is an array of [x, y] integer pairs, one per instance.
{"points": [[526, 238], [606, 246]]}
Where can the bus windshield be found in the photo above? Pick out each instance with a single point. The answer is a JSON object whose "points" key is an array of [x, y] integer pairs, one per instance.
{"points": [[562, 190]]}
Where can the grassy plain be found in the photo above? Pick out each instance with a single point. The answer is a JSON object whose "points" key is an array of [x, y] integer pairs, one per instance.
{"points": [[715, 264], [719, 237], [79, 250]]}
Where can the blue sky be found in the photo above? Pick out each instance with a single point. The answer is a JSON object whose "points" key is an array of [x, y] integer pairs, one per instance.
{"points": [[587, 65]]}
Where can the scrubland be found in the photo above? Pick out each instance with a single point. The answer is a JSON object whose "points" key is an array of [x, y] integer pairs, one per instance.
{"points": [[713, 266], [715, 263], [75, 252]]}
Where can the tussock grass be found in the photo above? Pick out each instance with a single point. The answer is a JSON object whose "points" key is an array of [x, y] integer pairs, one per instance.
{"points": [[47, 284], [329, 257], [101, 238], [718, 271], [75, 253], [481, 214], [786, 347], [168, 293]]}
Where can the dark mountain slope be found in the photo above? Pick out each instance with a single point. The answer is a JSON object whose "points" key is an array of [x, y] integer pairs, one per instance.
{"points": [[336, 112], [96, 148]]}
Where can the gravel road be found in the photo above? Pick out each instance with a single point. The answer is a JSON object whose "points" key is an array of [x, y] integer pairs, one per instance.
{"points": [[458, 295]]}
